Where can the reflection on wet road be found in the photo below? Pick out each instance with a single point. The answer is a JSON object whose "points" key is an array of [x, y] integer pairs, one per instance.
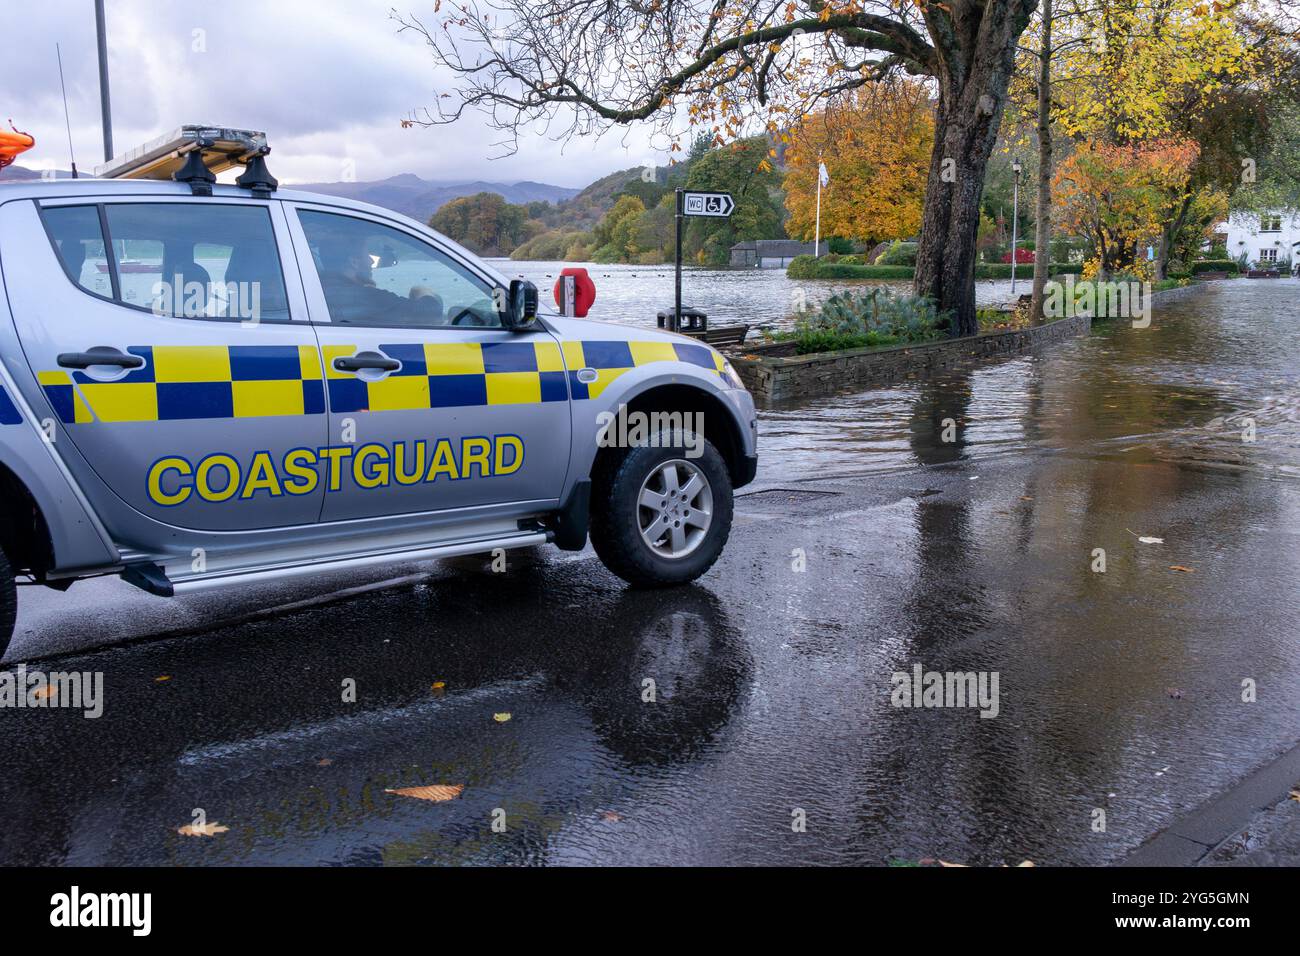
{"points": [[252, 727], [1118, 690]]}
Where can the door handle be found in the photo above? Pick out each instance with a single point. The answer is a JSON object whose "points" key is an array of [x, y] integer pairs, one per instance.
{"points": [[97, 356], [357, 363]]}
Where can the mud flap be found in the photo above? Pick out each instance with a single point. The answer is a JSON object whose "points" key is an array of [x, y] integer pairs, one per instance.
{"points": [[570, 522]]}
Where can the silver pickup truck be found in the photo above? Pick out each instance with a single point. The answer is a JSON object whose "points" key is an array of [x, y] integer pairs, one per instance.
{"points": [[208, 384]]}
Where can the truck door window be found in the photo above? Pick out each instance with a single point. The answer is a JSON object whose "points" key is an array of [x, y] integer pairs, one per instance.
{"points": [[198, 260], [376, 276], [77, 238]]}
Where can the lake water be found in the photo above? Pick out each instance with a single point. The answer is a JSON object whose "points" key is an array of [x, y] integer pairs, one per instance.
{"points": [[760, 297]]}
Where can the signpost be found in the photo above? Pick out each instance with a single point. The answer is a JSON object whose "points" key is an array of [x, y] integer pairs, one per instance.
{"points": [[710, 205]]}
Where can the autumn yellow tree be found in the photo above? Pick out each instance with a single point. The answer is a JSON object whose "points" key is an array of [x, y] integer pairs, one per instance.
{"points": [[876, 147], [1132, 70], [1140, 75], [1119, 197]]}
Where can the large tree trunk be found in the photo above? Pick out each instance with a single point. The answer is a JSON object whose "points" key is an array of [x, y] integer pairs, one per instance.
{"points": [[1043, 209], [975, 53], [1168, 233]]}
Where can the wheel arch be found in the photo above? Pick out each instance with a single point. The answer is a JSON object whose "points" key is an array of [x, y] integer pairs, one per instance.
{"points": [[721, 428], [24, 532]]}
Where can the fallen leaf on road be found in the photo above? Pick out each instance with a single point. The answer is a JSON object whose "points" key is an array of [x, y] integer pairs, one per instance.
{"points": [[946, 863], [437, 793], [44, 693], [202, 829], [1026, 497], [1176, 694], [1179, 567], [501, 718], [1150, 540], [1295, 795], [159, 680], [611, 816], [324, 762]]}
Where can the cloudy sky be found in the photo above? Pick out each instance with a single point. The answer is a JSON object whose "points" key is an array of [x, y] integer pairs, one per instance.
{"points": [[328, 80]]}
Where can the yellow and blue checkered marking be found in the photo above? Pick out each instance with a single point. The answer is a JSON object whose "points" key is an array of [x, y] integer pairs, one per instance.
{"points": [[451, 375], [181, 382], [612, 359]]}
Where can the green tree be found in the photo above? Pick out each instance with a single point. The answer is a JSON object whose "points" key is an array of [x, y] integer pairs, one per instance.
{"points": [[484, 223], [741, 169], [614, 234]]}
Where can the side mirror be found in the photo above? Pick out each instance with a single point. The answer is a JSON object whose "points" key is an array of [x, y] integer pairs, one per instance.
{"points": [[521, 309]]}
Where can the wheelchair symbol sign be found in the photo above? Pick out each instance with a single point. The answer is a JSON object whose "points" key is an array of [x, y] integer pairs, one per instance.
{"points": [[708, 204]]}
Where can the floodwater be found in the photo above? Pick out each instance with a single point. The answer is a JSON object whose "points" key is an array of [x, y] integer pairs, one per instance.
{"points": [[1214, 382]]}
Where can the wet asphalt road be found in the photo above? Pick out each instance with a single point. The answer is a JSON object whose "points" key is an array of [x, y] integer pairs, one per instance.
{"points": [[1118, 690]]}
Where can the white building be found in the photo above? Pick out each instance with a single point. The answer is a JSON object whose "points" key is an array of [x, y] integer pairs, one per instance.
{"points": [[1263, 238]]}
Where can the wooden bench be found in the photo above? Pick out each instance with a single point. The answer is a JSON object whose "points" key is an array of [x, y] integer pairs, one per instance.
{"points": [[722, 336]]}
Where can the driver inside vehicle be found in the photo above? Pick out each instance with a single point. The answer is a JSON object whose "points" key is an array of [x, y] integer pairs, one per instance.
{"points": [[353, 298]]}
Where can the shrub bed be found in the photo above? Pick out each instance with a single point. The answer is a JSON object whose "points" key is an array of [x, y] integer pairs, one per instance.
{"points": [[872, 319]]}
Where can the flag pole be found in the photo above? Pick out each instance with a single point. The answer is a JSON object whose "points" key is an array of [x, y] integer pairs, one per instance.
{"points": [[817, 234]]}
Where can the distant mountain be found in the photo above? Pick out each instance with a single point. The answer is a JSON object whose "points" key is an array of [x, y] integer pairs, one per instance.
{"points": [[17, 174], [405, 193], [586, 208], [421, 198]]}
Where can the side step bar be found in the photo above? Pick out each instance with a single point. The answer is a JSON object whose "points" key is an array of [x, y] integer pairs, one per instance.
{"points": [[153, 578]]}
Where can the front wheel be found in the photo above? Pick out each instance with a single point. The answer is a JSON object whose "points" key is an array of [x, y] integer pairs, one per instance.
{"points": [[661, 513]]}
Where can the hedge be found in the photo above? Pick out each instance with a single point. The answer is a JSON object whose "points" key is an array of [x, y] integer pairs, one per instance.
{"points": [[1024, 270], [806, 267], [1215, 265]]}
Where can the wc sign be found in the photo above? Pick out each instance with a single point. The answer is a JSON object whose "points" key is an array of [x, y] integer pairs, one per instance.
{"points": [[708, 204]]}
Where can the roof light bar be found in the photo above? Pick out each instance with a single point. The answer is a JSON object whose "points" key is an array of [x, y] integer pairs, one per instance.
{"points": [[220, 148]]}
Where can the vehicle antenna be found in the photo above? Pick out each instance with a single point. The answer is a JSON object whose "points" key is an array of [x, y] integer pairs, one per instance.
{"points": [[66, 120]]}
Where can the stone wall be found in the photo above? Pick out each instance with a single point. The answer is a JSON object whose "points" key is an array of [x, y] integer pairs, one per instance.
{"points": [[775, 372]]}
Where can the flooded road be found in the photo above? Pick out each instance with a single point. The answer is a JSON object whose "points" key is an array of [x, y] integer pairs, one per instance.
{"points": [[1218, 363], [869, 545]]}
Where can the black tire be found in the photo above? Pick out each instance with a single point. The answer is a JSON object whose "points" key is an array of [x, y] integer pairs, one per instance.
{"points": [[8, 603], [615, 513]]}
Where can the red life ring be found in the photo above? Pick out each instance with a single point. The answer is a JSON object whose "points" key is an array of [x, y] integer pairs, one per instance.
{"points": [[584, 291]]}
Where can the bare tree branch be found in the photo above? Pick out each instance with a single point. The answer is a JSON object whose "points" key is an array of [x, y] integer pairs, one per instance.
{"points": [[601, 63]]}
